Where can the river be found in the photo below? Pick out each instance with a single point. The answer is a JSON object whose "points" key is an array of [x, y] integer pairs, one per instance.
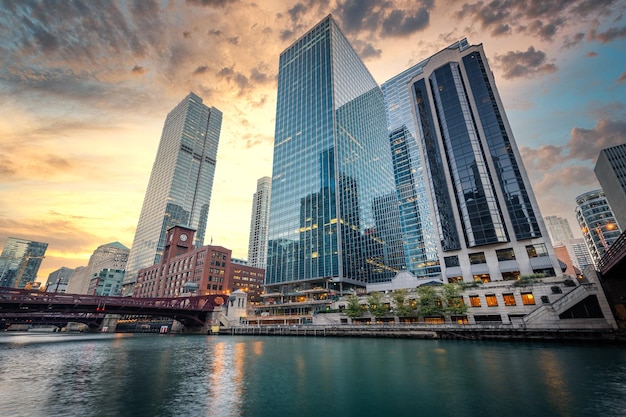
{"points": [[60, 374]]}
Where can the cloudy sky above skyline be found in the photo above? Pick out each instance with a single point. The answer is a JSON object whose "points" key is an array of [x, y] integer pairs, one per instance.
{"points": [[85, 87]]}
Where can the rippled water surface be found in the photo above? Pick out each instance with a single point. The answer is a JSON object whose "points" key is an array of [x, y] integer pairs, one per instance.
{"points": [[175, 375]]}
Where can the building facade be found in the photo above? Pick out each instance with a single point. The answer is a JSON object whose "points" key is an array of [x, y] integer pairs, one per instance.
{"points": [[332, 172], [247, 278], [186, 269], [488, 226], [597, 222], [558, 229], [20, 261], [58, 280], [259, 223], [107, 282], [113, 256], [610, 170], [181, 182], [420, 241]]}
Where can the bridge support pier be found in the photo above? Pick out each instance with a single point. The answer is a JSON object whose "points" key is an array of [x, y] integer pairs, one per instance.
{"points": [[109, 323]]}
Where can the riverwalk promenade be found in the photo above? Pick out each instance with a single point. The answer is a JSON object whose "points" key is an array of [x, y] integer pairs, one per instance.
{"points": [[432, 331]]}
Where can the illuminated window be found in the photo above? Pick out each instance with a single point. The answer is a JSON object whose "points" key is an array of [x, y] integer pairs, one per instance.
{"points": [[510, 276], [535, 251], [454, 280], [509, 299], [491, 300], [433, 320], [528, 298], [474, 300], [483, 278]]}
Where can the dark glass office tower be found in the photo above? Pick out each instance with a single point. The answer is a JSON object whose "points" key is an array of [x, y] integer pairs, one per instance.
{"points": [[333, 206], [487, 222]]}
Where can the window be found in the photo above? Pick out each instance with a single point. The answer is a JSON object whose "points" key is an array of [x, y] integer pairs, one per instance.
{"points": [[505, 254], [528, 298], [455, 280], [474, 300], [482, 278], [451, 261], [477, 258], [510, 276], [491, 300], [537, 250], [509, 299]]}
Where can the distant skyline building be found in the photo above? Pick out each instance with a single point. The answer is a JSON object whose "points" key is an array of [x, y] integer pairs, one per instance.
{"points": [[558, 229], [58, 280], [610, 170], [259, 223], [578, 253], [106, 282], [181, 182], [332, 176], [112, 256], [597, 223], [20, 261], [487, 224]]}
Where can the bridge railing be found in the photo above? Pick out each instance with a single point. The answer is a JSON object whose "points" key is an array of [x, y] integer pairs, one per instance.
{"points": [[197, 302]]}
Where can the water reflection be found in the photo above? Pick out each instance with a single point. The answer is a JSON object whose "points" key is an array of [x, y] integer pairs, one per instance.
{"points": [[153, 375]]}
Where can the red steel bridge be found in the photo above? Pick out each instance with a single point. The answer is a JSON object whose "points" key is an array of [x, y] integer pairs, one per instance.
{"points": [[17, 304]]}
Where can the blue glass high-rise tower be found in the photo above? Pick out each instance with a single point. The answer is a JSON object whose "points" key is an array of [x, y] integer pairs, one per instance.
{"points": [[334, 216]]}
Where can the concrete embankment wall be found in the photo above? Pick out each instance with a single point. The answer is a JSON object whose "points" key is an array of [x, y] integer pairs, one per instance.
{"points": [[465, 332]]}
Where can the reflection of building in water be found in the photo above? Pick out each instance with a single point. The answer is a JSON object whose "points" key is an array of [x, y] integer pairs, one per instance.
{"points": [[331, 175], [483, 210]]}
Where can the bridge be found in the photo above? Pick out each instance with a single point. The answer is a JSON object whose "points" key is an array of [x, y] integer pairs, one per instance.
{"points": [[18, 304]]}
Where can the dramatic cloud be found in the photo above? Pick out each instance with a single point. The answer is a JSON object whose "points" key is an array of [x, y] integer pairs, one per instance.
{"points": [[211, 3], [622, 78], [585, 144], [607, 36], [524, 64], [138, 70], [573, 41]]}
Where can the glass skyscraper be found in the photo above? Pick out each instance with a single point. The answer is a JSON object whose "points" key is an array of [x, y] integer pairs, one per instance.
{"points": [[487, 224], [20, 262], [420, 240], [180, 185], [334, 214]]}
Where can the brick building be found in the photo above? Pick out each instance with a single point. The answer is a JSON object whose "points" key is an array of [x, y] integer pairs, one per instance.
{"points": [[209, 267]]}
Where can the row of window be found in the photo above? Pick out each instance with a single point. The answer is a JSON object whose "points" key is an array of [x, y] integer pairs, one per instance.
{"points": [[507, 254], [509, 299]]}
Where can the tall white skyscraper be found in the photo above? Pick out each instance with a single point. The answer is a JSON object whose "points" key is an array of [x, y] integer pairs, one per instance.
{"points": [[597, 222], [181, 182], [259, 223]]}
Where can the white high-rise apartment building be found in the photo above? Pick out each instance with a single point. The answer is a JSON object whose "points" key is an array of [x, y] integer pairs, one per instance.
{"points": [[558, 229], [180, 185], [259, 223]]}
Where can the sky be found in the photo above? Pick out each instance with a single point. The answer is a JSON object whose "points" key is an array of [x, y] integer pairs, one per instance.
{"points": [[85, 87]]}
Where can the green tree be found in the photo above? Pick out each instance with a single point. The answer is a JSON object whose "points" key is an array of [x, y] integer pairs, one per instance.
{"points": [[402, 308], [453, 300], [353, 309], [429, 303], [375, 304]]}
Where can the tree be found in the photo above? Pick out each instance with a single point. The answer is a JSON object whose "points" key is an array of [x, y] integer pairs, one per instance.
{"points": [[430, 303], [401, 307], [453, 300], [375, 304], [353, 309]]}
